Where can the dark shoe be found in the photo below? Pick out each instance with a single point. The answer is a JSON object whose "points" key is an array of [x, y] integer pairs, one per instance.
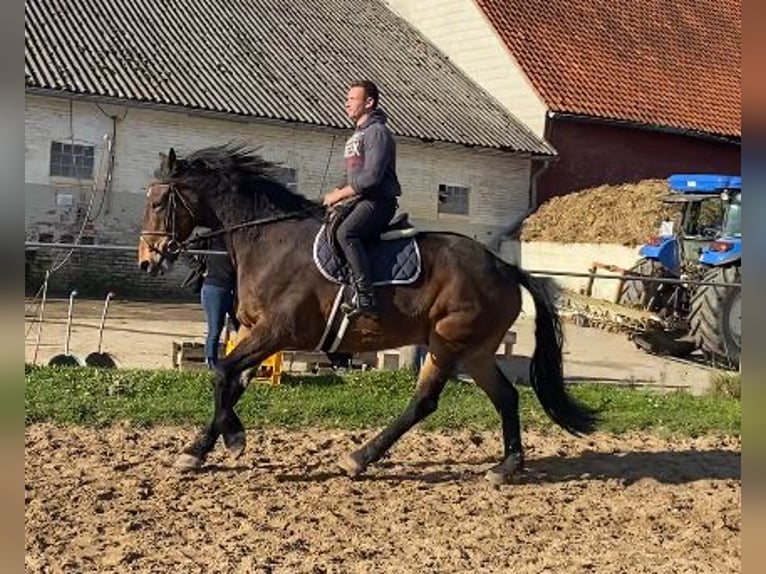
{"points": [[364, 303]]}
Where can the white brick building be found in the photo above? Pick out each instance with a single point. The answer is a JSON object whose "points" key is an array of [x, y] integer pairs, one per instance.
{"points": [[463, 161]]}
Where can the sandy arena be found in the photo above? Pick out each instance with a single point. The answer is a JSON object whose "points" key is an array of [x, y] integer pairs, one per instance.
{"points": [[109, 501]]}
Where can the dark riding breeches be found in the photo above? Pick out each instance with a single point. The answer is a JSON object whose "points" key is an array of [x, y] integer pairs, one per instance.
{"points": [[366, 222]]}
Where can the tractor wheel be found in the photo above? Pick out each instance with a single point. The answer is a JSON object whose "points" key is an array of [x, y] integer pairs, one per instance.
{"points": [[637, 293], [716, 316]]}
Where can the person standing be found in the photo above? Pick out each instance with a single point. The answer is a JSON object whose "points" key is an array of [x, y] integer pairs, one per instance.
{"points": [[371, 184], [217, 296]]}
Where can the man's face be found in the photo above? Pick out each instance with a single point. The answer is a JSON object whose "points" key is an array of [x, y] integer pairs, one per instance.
{"points": [[357, 105]]}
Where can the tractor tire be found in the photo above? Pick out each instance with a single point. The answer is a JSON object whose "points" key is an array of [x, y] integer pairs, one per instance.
{"points": [[715, 318], [637, 293]]}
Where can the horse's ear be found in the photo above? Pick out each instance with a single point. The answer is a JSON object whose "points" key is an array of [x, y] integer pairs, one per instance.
{"points": [[171, 159]]}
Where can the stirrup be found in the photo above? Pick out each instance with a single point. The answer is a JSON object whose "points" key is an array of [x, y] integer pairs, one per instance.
{"points": [[352, 312], [353, 308]]}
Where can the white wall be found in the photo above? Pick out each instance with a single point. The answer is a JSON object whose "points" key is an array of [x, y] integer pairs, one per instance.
{"points": [[498, 185], [498, 181], [460, 30], [576, 257]]}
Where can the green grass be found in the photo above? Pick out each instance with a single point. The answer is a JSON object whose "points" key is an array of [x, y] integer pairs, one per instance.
{"points": [[726, 384], [101, 397]]}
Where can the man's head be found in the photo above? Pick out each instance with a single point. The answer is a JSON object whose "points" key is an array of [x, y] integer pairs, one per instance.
{"points": [[361, 100]]}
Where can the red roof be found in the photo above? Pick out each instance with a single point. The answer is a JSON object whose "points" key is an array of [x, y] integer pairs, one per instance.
{"points": [[657, 62]]}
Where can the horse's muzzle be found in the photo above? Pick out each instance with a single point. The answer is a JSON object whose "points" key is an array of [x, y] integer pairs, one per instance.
{"points": [[156, 258], [157, 263]]}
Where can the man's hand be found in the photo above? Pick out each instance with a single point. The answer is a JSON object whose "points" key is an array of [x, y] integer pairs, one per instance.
{"points": [[337, 195]]}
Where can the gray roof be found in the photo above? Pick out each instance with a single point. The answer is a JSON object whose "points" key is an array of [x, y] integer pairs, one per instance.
{"points": [[289, 60]]}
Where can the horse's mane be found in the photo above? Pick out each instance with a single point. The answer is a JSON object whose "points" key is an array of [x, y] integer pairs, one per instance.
{"points": [[244, 181]]}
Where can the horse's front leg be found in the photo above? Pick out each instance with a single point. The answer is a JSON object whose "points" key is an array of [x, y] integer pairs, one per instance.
{"points": [[194, 455], [254, 345]]}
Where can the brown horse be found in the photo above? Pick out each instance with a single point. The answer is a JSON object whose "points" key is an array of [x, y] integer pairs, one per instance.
{"points": [[463, 303]]}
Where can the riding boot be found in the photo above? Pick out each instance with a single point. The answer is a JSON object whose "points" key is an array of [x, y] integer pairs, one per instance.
{"points": [[361, 278], [364, 302]]}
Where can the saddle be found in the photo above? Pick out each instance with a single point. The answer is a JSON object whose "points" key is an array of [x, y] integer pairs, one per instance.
{"points": [[394, 257], [399, 227]]}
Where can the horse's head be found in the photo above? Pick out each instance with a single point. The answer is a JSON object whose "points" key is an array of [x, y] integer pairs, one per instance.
{"points": [[171, 212]]}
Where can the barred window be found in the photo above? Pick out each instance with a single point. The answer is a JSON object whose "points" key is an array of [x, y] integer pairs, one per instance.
{"points": [[453, 199], [72, 160]]}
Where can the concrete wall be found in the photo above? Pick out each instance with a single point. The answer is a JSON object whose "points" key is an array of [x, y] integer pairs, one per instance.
{"points": [[498, 181], [575, 257]]}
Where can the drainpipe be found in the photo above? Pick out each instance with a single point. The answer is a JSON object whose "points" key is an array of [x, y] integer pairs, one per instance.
{"points": [[544, 165], [110, 166], [494, 243]]}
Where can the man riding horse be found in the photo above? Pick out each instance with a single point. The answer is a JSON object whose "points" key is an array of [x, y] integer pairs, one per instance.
{"points": [[371, 189]]}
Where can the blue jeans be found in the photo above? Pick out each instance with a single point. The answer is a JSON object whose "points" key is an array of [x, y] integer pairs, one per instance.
{"points": [[217, 302]]}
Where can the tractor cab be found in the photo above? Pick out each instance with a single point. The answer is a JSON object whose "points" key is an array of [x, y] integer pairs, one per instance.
{"points": [[705, 200], [726, 249]]}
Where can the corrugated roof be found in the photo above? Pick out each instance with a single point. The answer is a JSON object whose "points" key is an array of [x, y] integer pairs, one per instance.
{"points": [[289, 61], [658, 62]]}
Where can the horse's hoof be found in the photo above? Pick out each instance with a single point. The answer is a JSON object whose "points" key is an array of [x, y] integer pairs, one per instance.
{"points": [[187, 461], [498, 476], [350, 465], [504, 472], [235, 443]]}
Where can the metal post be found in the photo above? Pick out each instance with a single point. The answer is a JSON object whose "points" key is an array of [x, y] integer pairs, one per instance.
{"points": [[42, 315]]}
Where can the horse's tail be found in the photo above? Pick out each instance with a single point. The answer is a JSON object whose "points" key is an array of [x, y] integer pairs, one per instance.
{"points": [[546, 371]]}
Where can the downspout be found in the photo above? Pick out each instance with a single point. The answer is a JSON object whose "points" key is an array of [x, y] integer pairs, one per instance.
{"points": [[110, 167], [533, 204], [509, 230], [544, 165]]}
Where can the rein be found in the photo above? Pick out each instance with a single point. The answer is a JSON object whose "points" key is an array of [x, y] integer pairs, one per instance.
{"points": [[252, 223]]}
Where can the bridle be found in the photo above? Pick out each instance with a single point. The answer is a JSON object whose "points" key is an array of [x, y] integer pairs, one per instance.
{"points": [[174, 246]]}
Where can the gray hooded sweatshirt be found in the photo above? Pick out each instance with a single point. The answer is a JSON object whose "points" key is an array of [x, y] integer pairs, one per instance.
{"points": [[370, 157]]}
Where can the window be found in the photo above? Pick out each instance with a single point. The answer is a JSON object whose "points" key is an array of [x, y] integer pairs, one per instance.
{"points": [[72, 160], [453, 199], [287, 176]]}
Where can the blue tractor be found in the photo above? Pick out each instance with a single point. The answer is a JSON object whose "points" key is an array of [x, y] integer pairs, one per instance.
{"points": [[707, 247]]}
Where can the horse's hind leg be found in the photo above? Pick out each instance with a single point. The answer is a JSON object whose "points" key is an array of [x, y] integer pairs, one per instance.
{"points": [[505, 398], [433, 376]]}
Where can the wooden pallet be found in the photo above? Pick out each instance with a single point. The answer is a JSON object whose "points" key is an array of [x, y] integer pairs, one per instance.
{"points": [[190, 356]]}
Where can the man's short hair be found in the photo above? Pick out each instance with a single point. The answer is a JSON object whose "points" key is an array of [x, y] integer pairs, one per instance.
{"points": [[370, 90]]}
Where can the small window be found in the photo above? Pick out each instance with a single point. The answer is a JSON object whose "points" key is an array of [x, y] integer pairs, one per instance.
{"points": [[453, 199], [287, 176], [72, 160]]}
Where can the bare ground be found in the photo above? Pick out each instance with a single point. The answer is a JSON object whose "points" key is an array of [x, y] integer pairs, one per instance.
{"points": [[108, 501]]}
